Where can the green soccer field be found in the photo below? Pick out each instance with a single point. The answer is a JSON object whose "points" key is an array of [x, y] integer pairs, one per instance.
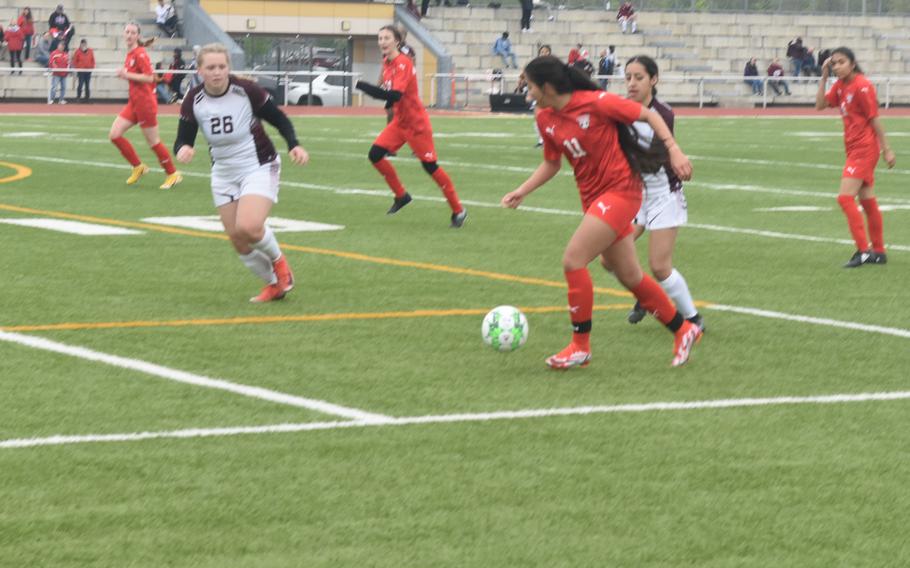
{"points": [[151, 416]]}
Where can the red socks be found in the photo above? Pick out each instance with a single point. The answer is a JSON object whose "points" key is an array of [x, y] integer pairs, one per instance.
{"points": [[127, 150], [581, 306], [164, 158], [391, 178], [874, 216], [855, 221], [444, 182], [653, 298]]}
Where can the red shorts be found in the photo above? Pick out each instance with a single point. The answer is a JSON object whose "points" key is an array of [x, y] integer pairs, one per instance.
{"points": [[143, 113], [861, 166], [421, 141], [617, 209]]}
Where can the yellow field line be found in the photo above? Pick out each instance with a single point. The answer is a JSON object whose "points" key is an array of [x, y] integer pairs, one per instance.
{"points": [[313, 250], [21, 172], [75, 326]]}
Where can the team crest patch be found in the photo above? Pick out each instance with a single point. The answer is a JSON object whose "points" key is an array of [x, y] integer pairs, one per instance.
{"points": [[850, 98], [584, 121]]}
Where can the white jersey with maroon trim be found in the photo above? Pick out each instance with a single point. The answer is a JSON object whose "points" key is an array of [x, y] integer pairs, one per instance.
{"points": [[237, 140], [664, 180]]}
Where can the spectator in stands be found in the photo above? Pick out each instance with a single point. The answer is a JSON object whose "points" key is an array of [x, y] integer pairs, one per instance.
{"points": [[43, 49], [606, 66], [796, 53], [194, 77], [751, 75], [14, 41], [577, 53], [625, 16], [83, 63], [64, 29], [809, 66], [161, 83], [503, 48], [777, 72], [526, 7], [413, 9], [823, 56], [166, 18], [544, 50], [59, 66], [177, 64], [27, 23]]}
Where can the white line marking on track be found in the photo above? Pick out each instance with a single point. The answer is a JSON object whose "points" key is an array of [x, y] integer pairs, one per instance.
{"points": [[188, 378], [59, 440]]}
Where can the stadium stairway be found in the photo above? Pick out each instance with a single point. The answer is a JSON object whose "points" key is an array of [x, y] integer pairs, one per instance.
{"points": [[101, 23], [696, 45]]}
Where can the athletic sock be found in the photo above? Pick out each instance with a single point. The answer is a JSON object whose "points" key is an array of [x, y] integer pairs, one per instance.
{"points": [[854, 221], [581, 306], [164, 158], [127, 150], [268, 245], [874, 217], [653, 298], [675, 286], [260, 265], [391, 177], [444, 182]]}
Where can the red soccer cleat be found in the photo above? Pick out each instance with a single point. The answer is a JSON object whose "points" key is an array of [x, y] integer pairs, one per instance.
{"points": [[571, 356], [284, 274], [268, 294], [686, 338]]}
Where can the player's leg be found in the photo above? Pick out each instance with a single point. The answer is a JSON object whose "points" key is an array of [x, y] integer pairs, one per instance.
{"points": [[123, 122], [259, 192], [250, 233], [422, 145], [150, 131], [849, 189], [660, 258], [874, 217], [389, 141]]}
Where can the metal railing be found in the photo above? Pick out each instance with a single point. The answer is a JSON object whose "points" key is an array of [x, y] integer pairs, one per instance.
{"points": [[833, 7], [472, 89]]}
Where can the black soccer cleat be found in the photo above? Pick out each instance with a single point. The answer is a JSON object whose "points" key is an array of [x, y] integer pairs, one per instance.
{"points": [[879, 258], [458, 219], [699, 321], [859, 258], [637, 313], [399, 203]]}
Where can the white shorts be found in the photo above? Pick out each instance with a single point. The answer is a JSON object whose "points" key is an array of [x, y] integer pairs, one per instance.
{"points": [[665, 210], [229, 187]]}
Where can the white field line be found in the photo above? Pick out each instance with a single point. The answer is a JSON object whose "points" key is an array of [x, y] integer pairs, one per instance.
{"points": [[897, 332], [188, 378], [59, 440]]}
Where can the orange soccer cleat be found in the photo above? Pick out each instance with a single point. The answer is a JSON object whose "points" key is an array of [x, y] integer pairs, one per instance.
{"points": [[686, 338], [284, 274], [268, 294], [571, 356]]}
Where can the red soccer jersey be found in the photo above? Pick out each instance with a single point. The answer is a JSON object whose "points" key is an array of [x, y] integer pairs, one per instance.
{"points": [[137, 61], [399, 75], [585, 130], [858, 106]]}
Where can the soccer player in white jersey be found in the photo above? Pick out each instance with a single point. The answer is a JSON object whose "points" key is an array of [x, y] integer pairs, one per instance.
{"points": [[663, 206], [245, 165]]}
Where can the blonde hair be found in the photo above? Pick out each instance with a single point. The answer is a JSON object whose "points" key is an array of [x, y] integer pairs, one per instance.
{"points": [[139, 41], [213, 48]]}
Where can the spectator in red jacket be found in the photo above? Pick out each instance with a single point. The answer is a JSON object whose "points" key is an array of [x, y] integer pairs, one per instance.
{"points": [[83, 63], [14, 41], [27, 23], [59, 65], [577, 53]]}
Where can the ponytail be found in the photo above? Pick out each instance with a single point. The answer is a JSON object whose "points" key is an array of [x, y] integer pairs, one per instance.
{"points": [[564, 78]]}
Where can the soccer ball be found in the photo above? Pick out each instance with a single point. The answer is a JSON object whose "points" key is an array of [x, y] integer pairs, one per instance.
{"points": [[505, 328]]}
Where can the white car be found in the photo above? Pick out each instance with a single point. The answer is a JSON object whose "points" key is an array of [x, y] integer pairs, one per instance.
{"points": [[328, 90]]}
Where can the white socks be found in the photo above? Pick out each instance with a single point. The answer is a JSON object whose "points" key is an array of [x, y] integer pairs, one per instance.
{"points": [[268, 245], [675, 286], [260, 265]]}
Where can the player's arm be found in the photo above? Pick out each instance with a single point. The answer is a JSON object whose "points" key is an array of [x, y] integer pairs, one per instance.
{"points": [[273, 115], [887, 152], [681, 165], [391, 96], [544, 173], [186, 139], [821, 99]]}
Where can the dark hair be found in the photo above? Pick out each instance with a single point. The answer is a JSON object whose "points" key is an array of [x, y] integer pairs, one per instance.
{"points": [[650, 68], [395, 32], [848, 53], [544, 46], [505, 34], [565, 79]]}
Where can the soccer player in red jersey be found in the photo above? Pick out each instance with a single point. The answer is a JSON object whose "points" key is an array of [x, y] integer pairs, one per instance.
{"points": [[141, 109], [864, 138], [588, 126], [411, 125]]}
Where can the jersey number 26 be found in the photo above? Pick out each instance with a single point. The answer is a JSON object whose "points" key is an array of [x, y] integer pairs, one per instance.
{"points": [[222, 125]]}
